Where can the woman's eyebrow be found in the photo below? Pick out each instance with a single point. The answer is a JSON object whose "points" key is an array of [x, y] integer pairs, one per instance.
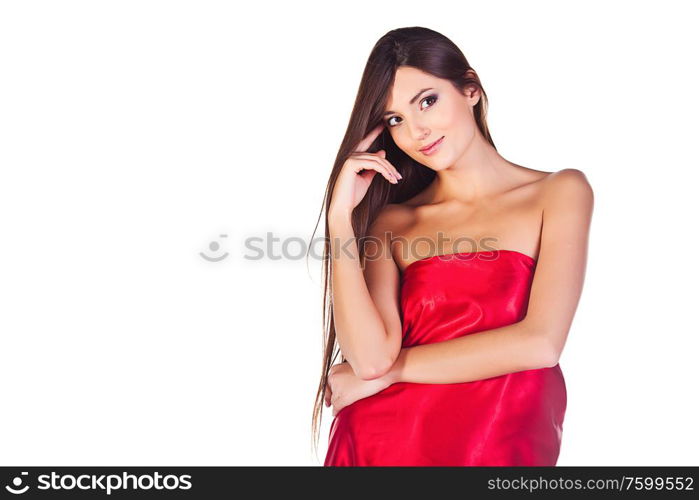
{"points": [[411, 100]]}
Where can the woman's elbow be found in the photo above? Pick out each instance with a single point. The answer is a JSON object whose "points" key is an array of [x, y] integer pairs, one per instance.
{"points": [[541, 350], [378, 369], [371, 372], [548, 355], [382, 363]]}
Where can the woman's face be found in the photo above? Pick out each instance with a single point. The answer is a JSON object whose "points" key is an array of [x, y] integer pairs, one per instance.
{"points": [[437, 111]]}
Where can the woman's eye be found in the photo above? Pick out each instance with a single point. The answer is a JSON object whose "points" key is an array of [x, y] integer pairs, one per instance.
{"points": [[431, 98], [388, 122]]}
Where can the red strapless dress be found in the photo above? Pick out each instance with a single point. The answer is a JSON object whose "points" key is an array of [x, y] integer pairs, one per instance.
{"points": [[510, 420]]}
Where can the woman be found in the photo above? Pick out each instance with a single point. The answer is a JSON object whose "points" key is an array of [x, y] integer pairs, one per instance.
{"points": [[455, 274]]}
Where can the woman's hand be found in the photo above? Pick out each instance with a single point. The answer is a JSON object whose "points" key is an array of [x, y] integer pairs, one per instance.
{"points": [[344, 387], [357, 173]]}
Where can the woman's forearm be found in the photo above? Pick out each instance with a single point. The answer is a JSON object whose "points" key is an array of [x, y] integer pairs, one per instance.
{"points": [[359, 327], [476, 356]]}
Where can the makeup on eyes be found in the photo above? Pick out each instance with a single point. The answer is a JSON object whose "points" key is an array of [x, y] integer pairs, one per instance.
{"points": [[431, 96]]}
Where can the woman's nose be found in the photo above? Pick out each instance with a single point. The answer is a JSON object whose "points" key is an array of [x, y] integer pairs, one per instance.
{"points": [[419, 132]]}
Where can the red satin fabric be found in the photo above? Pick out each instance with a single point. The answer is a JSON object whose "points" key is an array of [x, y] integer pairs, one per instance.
{"points": [[510, 420]]}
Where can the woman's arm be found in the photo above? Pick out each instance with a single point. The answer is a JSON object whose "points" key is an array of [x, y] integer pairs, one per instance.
{"points": [[477, 356], [537, 341], [365, 302]]}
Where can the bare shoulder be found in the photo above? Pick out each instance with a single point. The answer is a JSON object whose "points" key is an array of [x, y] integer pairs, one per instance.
{"points": [[569, 185], [568, 178]]}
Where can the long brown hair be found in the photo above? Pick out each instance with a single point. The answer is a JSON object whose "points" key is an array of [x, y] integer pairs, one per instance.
{"points": [[433, 53]]}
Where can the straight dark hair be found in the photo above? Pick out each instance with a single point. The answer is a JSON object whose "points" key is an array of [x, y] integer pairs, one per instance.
{"points": [[430, 52]]}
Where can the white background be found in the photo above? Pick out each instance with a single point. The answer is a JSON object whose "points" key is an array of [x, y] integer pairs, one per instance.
{"points": [[133, 134]]}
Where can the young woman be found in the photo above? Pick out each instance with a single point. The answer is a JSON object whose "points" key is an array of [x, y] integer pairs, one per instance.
{"points": [[452, 275]]}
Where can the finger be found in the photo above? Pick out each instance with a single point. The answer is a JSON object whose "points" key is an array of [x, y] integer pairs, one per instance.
{"points": [[385, 166], [372, 164], [368, 163], [372, 157], [370, 137], [328, 394], [380, 156], [335, 407]]}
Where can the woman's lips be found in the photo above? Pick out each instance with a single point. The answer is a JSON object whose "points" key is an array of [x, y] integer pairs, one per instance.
{"points": [[432, 147]]}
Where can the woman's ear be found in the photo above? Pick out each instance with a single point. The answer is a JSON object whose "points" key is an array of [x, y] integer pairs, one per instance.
{"points": [[476, 95], [472, 94]]}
